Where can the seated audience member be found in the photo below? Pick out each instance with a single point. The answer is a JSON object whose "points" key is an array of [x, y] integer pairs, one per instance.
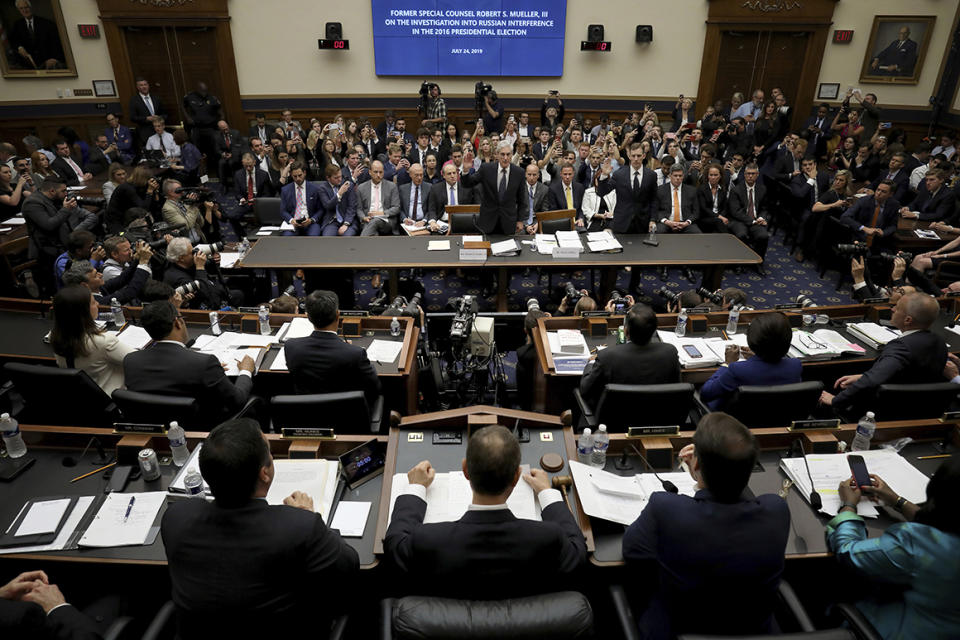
{"points": [[120, 137], [125, 287], [119, 253], [167, 367], [677, 205], [378, 204], [769, 339], [187, 168], [916, 357], [735, 568], [249, 183], [637, 361], [415, 198], [873, 219], [65, 166], [50, 214], [935, 202], [300, 203], [13, 191], [162, 141], [920, 558], [448, 192], [503, 555], [186, 265], [337, 213], [712, 197], [79, 247], [116, 175], [896, 174], [240, 567], [179, 211], [946, 146], [102, 155], [748, 211], [140, 190], [31, 607], [79, 344], [322, 362]]}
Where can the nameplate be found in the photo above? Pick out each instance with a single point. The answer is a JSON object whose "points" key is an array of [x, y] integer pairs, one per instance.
{"points": [[814, 425], [566, 253], [447, 437], [639, 432], [788, 305], [354, 313], [133, 427], [473, 255], [599, 313], [476, 244], [701, 310], [876, 300], [308, 433], [950, 416]]}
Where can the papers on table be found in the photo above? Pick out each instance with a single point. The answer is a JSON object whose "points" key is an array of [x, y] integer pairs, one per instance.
{"points": [[872, 333], [926, 234], [544, 243], [570, 351], [449, 496], [230, 348], [822, 344], [569, 239], [296, 328], [227, 260], [719, 345], [830, 469], [269, 228], [42, 517], [118, 524], [286, 226], [67, 531], [384, 351], [316, 478], [621, 498], [694, 353], [134, 336], [351, 518], [505, 248], [280, 362], [603, 241], [15, 220], [438, 245], [467, 239]]}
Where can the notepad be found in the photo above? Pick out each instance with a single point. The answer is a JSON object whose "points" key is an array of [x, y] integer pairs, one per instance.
{"points": [[351, 519], [384, 351], [621, 498], [316, 478], [43, 517], [438, 245], [112, 527], [296, 328], [134, 336], [66, 533], [227, 260]]}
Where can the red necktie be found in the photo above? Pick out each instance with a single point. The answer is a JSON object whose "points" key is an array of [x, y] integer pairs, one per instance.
{"points": [[226, 139], [249, 186]]}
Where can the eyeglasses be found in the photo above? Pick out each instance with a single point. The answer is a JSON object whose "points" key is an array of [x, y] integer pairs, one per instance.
{"points": [[811, 342]]}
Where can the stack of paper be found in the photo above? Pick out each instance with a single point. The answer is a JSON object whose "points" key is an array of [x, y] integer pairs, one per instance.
{"points": [[872, 333], [694, 353], [621, 498], [384, 351], [66, 531], [545, 243], [121, 523], [296, 328], [822, 344], [830, 469], [569, 239], [505, 248], [438, 245], [230, 348], [134, 336], [316, 478], [719, 345], [227, 260], [603, 241], [449, 495]]}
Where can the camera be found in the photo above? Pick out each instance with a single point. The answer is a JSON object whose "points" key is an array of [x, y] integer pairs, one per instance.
{"points": [[466, 313], [400, 307], [203, 194], [668, 295], [481, 89], [890, 257], [852, 250], [533, 305], [571, 294], [209, 249], [189, 287], [713, 296], [91, 202], [620, 304], [805, 301]]}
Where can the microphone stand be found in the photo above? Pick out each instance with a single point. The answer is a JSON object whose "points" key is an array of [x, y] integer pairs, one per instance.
{"points": [[668, 486]]}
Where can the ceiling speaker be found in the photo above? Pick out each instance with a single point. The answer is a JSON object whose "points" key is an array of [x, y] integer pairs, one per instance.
{"points": [[595, 33]]}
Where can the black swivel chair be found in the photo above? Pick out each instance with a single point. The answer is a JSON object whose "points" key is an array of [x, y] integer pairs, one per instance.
{"points": [[662, 404], [345, 412], [776, 405], [462, 223], [151, 408], [267, 211], [43, 394], [914, 401], [559, 616], [164, 625]]}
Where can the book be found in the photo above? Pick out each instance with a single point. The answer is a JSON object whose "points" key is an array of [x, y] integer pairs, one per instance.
{"points": [[872, 333], [822, 344], [621, 499]]}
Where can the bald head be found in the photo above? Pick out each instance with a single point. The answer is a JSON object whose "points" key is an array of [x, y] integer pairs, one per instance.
{"points": [[915, 311], [376, 172]]}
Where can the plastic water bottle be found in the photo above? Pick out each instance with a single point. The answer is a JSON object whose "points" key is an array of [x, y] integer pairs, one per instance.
{"points": [[681, 329], [215, 323], [733, 318], [865, 429], [178, 444], [11, 436], [601, 441], [264, 316], [193, 483], [395, 327], [244, 248], [585, 446], [117, 312]]}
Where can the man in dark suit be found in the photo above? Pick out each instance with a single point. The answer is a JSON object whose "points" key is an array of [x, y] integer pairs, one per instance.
{"points": [[677, 209], [497, 551], [144, 110], [917, 357], [385, 128], [589, 169], [806, 189], [261, 129], [538, 198], [301, 205], [48, 212], [415, 198], [167, 367], [31, 607], [249, 183], [503, 197], [418, 153], [637, 361], [899, 58], [120, 137], [737, 567], [451, 191], [240, 567], [748, 211], [322, 362], [636, 188], [66, 167], [874, 218], [36, 40], [352, 170], [816, 131], [898, 176], [229, 146], [337, 212], [936, 202], [566, 193]]}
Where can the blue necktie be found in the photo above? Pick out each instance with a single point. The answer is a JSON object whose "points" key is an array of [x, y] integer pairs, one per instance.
{"points": [[340, 202], [530, 217], [453, 196]]}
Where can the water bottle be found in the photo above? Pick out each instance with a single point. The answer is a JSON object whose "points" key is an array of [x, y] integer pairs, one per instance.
{"points": [[601, 442], [117, 312], [395, 327], [178, 444], [215, 323], [681, 329], [193, 483], [865, 429], [244, 248], [732, 319], [585, 446], [11, 436], [264, 320]]}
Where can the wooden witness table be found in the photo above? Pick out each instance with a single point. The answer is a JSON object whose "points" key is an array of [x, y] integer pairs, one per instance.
{"points": [[711, 251]]}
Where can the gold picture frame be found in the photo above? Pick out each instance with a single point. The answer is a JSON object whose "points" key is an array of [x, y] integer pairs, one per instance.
{"points": [[897, 49], [41, 52]]}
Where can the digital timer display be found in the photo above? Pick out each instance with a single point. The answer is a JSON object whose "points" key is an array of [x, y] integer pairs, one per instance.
{"points": [[603, 45], [333, 44]]}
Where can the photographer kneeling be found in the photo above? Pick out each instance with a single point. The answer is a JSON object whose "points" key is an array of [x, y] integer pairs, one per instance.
{"points": [[187, 272], [125, 287]]}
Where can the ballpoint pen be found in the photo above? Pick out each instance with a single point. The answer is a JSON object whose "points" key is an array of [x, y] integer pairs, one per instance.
{"points": [[129, 508]]}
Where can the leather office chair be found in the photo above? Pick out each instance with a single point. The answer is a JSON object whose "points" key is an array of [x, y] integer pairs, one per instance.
{"points": [[164, 625], [549, 222], [267, 211], [43, 394], [462, 223], [345, 412], [776, 405], [558, 616], [914, 401], [663, 404], [150, 408]]}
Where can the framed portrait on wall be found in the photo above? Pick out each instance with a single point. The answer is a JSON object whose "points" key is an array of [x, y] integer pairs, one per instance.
{"points": [[36, 43], [897, 48]]}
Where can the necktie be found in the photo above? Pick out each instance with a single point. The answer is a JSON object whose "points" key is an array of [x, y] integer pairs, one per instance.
{"points": [[226, 140], [676, 204], [116, 137], [415, 205], [873, 224], [30, 28], [76, 169], [249, 186], [636, 183], [453, 196], [503, 184], [889, 176], [299, 215], [149, 104], [530, 207], [569, 193], [750, 210]]}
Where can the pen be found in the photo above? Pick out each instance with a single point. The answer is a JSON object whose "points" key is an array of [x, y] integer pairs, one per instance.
{"points": [[942, 455], [725, 336], [103, 468], [250, 346], [129, 508]]}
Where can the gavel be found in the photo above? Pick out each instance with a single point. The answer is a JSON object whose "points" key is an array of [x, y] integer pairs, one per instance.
{"points": [[562, 482]]}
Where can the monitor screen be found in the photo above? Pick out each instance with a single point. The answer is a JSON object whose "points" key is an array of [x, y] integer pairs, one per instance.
{"points": [[469, 37]]}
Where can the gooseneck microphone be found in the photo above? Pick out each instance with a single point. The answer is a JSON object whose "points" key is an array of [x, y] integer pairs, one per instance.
{"points": [[815, 501], [668, 486]]}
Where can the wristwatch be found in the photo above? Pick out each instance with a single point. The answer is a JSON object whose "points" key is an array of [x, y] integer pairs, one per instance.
{"points": [[848, 504], [898, 505]]}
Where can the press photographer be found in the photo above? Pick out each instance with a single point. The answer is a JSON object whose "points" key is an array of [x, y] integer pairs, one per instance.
{"points": [[187, 264], [125, 288], [488, 107], [575, 301], [432, 106], [192, 208]]}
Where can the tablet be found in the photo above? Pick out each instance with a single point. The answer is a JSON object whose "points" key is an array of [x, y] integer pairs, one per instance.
{"points": [[363, 463]]}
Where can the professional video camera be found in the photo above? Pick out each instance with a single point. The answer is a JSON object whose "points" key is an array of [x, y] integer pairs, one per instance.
{"points": [[890, 257], [713, 296], [668, 295], [86, 201], [425, 95], [853, 250], [572, 294], [620, 303], [480, 91], [466, 313], [400, 307], [379, 303], [203, 194]]}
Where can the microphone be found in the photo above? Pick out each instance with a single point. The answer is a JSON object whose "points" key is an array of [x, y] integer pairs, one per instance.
{"points": [[474, 217], [815, 501], [668, 486]]}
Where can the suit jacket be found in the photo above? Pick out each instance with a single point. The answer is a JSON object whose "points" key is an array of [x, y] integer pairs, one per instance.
{"points": [[27, 621], [324, 363], [406, 194], [263, 188], [737, 567], [495, 211], [390, 201], [938, 207], [818, 139], [65, 171], [235, 148], [439, 197], [803, 192], [330, 206], [498, 551], [689, 207], [916, 359], [705, 201], [45, 225], [363, 174], [416, 157], [585, 174], [124, 141], [100, 160], [861, 214], [559, 201], [904, 56], [737, 203], [542, 201], [288, 200], [43, 45], [634, 210], [716, 391], [139, 113], [170, 369], [630, 363], [254, 131], [253, 570], [901, 184]]}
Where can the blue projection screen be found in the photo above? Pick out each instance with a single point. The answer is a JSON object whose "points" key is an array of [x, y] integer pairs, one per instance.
{"points": [[469, 37]]}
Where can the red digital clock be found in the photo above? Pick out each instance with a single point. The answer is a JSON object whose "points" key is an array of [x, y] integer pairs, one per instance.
{"points": [[89, 30], [333, 44], [602, 45]]}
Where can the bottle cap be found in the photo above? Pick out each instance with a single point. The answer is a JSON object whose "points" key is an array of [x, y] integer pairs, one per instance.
{"points": [[870, 414], [602, 427], [173, 423], [587, 431], [5, 416]]}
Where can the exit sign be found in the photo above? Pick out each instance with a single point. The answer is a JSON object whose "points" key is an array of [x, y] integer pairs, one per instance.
{"points": [[842, 36], [89, 30]]}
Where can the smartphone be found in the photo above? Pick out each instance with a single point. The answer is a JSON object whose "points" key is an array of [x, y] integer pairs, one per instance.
{"points": [[859, 469], [334, 127], [693, 352], [886, 125]]}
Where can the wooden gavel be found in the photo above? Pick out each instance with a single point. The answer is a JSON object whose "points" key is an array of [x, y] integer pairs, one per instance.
{"points": [[562, 482]]}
